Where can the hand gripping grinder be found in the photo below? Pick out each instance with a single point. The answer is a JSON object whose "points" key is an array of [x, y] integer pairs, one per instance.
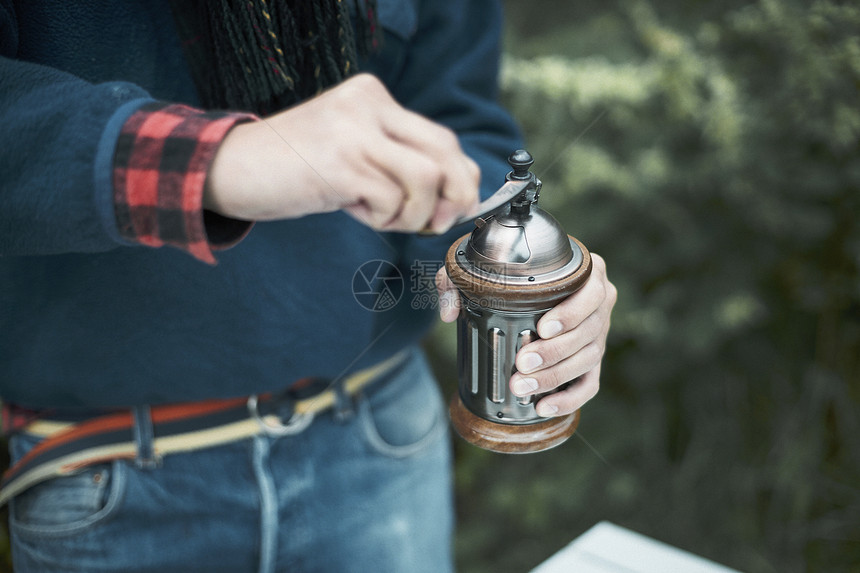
{"points": [[516, 265]]}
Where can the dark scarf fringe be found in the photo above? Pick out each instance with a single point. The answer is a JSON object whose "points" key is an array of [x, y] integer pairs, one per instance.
{"points": [[265, 55]]}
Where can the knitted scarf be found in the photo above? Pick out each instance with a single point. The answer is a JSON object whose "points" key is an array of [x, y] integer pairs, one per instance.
{"points": [[265, 55]]}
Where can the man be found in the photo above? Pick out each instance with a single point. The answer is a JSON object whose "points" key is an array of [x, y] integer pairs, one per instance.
{"points": [[109, 152]]}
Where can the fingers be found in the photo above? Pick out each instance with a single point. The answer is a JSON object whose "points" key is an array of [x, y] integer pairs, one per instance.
{"points": [[409, 194], [540, 378], [405, 202], [423, 157], [435, 182], [596, 293], [572, 346], [581, 319], [456, 186], [587, 338], [571, 398]]}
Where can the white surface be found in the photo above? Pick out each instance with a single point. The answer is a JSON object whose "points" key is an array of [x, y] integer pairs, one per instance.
{"points": [[608, 548]]}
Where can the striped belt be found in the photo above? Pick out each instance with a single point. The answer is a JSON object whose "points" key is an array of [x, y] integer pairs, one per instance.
{"points": [[68, 447]]}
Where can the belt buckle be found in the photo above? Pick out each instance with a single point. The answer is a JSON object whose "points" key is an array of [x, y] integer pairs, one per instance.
{"points": [[274, 427]]}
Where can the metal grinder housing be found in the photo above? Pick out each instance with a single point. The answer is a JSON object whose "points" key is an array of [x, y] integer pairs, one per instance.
{"points": [[516, 265]]}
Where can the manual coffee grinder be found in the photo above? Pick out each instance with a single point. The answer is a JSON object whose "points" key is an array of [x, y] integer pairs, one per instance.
{"points": [[516, 264]]}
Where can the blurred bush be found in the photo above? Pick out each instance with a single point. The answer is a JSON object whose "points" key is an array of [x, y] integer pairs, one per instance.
{"points": [[710, 151]]}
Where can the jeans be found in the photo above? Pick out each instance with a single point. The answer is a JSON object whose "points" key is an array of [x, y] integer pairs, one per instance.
{"points": [[367, 489]]}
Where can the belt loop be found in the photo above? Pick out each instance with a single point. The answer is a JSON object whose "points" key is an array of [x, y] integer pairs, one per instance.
{"points": [[144, 438], [344, 403]]}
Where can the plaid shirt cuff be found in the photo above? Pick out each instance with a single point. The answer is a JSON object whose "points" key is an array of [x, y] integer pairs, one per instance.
{"points": [[162, 156]]}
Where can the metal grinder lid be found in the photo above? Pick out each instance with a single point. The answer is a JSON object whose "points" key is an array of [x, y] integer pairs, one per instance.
{"points": [[521, 239]]}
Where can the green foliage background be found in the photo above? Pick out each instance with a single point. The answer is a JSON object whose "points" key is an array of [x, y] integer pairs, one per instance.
{"points": [[710, 151]]}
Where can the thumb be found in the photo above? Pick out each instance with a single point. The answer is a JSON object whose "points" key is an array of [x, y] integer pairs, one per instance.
{"points": [[449, 298]]}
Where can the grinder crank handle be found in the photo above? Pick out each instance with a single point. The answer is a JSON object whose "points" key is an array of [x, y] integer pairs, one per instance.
{"points": [[503, 195]]}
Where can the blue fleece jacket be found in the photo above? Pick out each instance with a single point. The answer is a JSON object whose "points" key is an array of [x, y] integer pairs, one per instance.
{"points": [[88, 320]]}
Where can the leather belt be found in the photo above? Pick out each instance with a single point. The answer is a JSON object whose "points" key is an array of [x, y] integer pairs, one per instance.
{"points": [[68, 447]]}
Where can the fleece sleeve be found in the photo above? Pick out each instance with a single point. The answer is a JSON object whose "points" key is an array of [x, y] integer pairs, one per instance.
{"points": [[56, 152], [60, 190]]}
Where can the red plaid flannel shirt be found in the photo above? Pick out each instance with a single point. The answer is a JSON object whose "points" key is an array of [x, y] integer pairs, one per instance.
{"points": [[160, 165]]}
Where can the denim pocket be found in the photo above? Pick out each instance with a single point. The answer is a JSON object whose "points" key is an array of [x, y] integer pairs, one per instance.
{"points": [[405, 415], [70, 504]]}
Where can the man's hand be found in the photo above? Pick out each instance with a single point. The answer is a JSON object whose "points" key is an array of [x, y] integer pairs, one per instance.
{"points": [[573, 340], [352, 148]]}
